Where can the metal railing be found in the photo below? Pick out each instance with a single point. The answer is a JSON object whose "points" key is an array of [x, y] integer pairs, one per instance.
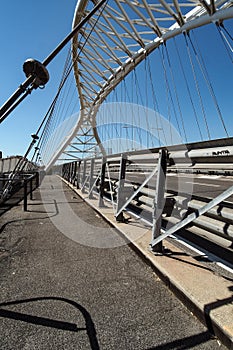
{"points": [[18, 187], [136, 182]]}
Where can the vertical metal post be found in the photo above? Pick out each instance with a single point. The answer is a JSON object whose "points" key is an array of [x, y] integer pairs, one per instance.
{"points": [[25, 196], [91, 182], [78, 174], [31, 188], [70, 171], [159, 200], [37, 179], [121, 185], [84, 175], [3, 181], [66, 172], [74, 173], [102, 181]]}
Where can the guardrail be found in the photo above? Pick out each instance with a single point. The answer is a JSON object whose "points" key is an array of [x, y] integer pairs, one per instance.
{"points": [[29, 185], [22, 184], [136, 182]]}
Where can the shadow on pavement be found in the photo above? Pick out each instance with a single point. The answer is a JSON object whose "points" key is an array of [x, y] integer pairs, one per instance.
{"points": [[46, 322], [214, 305], [31, 219], [185, 343], [175, 256], [11, 202]]}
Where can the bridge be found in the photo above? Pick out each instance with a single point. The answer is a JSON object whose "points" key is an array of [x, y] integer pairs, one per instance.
{"points": [[140, 128]]}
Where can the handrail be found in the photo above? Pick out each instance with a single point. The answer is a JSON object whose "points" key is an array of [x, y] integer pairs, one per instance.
{"points": [[21, 181], [137, 195]]}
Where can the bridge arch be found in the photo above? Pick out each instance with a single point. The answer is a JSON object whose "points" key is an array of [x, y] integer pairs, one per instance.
{"points": [[120, 36]]}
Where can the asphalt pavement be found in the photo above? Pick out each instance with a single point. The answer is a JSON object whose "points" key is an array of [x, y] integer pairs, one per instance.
{"points": [[77, 284]]}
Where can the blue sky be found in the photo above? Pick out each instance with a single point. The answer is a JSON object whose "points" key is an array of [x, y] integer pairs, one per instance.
{"points": [[29, 30], [33, 31]]}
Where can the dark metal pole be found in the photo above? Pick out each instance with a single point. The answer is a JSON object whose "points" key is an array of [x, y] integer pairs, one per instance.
{"points": [[12, 101], [91, 181], [10, 105], [25, 195], [37, 179], [78, 174], [74, 31], [31, 188], [84, 176], [74, 172]]}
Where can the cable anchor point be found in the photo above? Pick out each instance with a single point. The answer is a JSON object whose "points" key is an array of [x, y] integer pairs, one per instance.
{"points": [[32, 67]]}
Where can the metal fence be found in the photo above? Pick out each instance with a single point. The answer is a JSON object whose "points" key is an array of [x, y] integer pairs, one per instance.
{"points": [[18, 188], [136, 182]]}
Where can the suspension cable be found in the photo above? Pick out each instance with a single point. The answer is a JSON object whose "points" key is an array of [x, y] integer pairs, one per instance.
{"points": [[168, 93], [175, 91], [156, 105], [208, 82], [21, 163], [197, 84], [225, 40], [74, 60], [188, 89]]}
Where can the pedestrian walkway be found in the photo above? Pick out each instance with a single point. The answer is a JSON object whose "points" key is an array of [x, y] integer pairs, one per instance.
{"points": [[69, 280]]}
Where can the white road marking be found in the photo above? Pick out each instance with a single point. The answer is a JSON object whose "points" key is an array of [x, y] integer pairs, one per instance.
{"points": [[212, 177], [202, 184]]}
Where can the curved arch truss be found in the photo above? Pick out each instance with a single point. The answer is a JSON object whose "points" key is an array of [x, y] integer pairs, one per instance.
{"points": [[117, 39]]}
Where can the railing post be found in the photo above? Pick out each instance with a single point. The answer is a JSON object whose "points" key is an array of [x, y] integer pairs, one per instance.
{"points": [[25, 195], [66, 172], [37, 179], [121, 185], [159, 200], [102, 181], [31, 188], [64, 169], [78, 174], [2, 182], [91, 182], [74, 173], [70, 172], [84, 175]]}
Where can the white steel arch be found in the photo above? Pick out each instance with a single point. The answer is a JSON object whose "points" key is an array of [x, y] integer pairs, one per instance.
{"points": [[117, 39]]}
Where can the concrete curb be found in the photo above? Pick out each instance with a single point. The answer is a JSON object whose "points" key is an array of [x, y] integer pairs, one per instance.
{"points": [[207, 295]]}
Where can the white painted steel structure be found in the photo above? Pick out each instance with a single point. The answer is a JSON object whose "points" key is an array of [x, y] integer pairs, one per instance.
{"points": [[115, 41]]}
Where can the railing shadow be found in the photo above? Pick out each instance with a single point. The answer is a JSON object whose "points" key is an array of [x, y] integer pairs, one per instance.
{"points": [[185, 343], [46, 322], [31, 219], [11, 202], [176, 256], [214, 305]]}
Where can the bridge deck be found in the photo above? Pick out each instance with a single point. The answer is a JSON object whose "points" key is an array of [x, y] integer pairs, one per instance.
{"points": [[77, 285]]}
